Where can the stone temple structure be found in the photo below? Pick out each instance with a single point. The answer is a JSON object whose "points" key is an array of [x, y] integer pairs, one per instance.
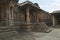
{"points": [[56, 18], [24, 16], [6, 13]]}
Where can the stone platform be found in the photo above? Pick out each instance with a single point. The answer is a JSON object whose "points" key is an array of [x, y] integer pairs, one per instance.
{"points": [[53, 35]]}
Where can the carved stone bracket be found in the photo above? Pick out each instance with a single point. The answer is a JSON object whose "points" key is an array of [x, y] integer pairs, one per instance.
{"points": [[12, 3]]}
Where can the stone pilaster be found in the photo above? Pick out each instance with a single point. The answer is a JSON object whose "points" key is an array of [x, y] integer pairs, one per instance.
{"points": [[7, 11], [2, 16]]}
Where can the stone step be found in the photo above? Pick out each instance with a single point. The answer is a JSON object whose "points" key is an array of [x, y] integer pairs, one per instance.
{"points": [[5, 29]]}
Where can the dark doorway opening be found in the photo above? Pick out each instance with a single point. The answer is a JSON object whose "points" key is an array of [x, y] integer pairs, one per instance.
{"points": [[57, 19]]}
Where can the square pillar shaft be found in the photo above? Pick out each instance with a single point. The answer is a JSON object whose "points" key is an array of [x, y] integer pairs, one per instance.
{"points": [[28, 19], [53, 20], [28, 15]]}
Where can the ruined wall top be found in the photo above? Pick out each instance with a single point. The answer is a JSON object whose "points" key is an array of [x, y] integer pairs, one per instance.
{"points": [[7, 1]]}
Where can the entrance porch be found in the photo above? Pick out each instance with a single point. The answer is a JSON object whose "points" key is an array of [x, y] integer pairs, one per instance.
{"points": [[56, 19]]}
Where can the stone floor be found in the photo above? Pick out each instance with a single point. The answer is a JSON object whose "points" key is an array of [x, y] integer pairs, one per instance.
{"points": [[53, 35]]}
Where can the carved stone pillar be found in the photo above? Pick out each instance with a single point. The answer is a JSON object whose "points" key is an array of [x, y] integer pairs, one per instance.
{"points": [[53, 18], [11, 14], [28, 15], [11, 21], [28, 19]]}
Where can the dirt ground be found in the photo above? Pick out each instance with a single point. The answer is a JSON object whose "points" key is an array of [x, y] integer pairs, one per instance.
{"points": [[53, 35]]}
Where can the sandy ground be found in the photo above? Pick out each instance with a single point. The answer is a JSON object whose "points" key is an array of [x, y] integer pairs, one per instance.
{"points": [[53, 35]]}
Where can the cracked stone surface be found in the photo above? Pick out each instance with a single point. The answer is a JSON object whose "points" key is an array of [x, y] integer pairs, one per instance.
{"points": [[53, 35]]}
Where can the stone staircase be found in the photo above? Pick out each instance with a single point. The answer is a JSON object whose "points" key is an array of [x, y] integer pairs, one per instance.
{"points": [[41, 27], [5, 29], [44, 27]]}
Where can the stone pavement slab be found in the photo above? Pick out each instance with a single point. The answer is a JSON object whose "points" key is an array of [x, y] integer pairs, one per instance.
{"points": [[53, 35]]}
